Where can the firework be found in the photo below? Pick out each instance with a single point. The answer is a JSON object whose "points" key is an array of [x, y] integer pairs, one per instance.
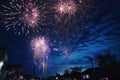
{"points": [[23, 16], [41, 50], [69, 13], [65, 10], [67, 7]]}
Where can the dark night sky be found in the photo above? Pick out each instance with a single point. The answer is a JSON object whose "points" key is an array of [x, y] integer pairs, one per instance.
{"points": [[99, 34]]}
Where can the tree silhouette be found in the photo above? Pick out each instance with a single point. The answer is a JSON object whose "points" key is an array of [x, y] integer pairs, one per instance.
{"points": [[76, 72], [66, 73], [106, 59]]}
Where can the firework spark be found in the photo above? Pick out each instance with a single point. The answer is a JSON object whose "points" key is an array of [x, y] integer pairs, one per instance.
{"points": [[23, 16], [41, 50]]}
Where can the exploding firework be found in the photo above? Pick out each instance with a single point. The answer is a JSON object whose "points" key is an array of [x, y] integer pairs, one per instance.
{"points": [[65, 8], [41, 50], [40, 47], [69, 13], [23, 16]]}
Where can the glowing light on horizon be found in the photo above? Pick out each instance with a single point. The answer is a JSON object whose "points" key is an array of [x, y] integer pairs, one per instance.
{"points": [[1, 64]]}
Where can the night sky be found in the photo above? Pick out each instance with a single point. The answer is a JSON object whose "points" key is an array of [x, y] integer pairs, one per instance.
{"points": [[93, 34]]}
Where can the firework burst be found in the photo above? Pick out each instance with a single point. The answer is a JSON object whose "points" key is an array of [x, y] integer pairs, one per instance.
{"points": [[69, 13], [41, 50], [23, 16], [65, 8]]}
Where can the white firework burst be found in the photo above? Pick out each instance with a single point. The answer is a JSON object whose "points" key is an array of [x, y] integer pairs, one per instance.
{"points": [[23, 16]]}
